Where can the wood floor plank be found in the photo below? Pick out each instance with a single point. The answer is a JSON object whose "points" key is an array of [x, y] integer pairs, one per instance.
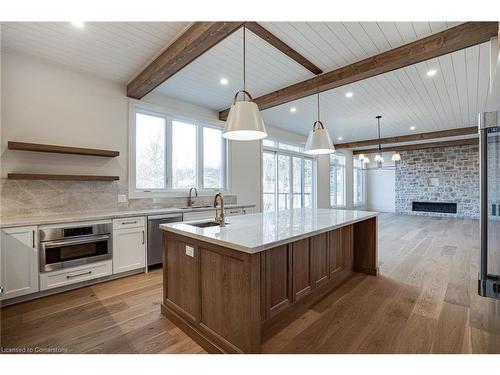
{"points": [[450, 330]]}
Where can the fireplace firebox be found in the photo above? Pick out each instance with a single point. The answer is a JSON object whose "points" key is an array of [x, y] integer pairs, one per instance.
{"points": [[439, 207]]}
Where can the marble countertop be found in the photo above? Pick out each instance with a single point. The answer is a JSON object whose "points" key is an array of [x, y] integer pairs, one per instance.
{"points": [[260, 231], [25, 220]]}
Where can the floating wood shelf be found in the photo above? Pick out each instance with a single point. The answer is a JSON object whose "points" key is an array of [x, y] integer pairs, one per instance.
{"points": [[67, 177], [61, 149]]}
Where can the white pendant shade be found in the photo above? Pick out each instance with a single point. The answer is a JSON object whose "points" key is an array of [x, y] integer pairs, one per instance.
{"points": [[378, 158], [396, 157], [244, 122], [319, 141], [361, 157], [366, 160]]}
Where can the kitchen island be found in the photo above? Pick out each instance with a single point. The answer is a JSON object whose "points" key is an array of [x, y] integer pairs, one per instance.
{"points": [[229, 287]]}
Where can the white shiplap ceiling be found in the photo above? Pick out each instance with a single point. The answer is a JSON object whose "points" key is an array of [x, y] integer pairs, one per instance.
{"points": [[406, 97], [267, 70], [329, 45], [112, 50]]}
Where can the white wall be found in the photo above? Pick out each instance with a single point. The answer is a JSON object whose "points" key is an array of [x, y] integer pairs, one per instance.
{"points": [[380, 186], [44, 102]]}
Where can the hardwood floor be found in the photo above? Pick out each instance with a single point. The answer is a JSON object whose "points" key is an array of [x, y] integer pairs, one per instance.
{"points": [[424, 301]]}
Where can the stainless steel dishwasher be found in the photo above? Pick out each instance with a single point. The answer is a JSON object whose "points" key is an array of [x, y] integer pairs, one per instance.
{"points": [[155, 250]]}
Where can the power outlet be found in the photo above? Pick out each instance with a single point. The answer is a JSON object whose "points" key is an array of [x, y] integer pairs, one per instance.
{"points": [[122, 198], [190, 251]]}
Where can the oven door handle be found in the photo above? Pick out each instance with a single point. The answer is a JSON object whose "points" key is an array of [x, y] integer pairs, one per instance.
{"points": [[80, 241]]}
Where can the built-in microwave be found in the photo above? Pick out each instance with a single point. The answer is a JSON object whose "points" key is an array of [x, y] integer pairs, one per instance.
{"points": [[74, 244]]}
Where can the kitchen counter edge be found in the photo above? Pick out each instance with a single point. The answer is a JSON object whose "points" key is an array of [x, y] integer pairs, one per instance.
{"points": [[69, 218]]}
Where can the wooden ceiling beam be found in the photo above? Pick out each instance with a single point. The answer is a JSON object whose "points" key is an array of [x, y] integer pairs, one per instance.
{"points": [[447, 41], [195, 41], [411, 137], [277, 43], [420, 146]]}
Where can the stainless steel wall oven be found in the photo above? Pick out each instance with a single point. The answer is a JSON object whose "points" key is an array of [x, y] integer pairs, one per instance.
{"points": [[74, 244]]}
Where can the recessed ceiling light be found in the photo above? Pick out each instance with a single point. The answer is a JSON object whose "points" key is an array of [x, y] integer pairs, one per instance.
{"points": [[431, 72], [340, 138], [78, 24], [224, 81], [348, 94], [293, 109], [413, 127]]}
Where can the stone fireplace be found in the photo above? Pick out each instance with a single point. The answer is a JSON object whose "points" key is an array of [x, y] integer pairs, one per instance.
{"points": [[442, 181]]}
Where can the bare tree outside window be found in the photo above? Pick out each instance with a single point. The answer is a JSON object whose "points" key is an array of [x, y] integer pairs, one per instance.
{"points": [[150, 152]]}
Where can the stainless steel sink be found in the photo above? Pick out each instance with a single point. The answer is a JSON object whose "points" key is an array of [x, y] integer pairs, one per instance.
{"points": [[206, 224]]}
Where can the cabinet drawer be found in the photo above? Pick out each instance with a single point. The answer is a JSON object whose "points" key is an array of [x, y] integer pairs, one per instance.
{"points": [[210, 214], [60, 278], [233, 211], [128, 222]]}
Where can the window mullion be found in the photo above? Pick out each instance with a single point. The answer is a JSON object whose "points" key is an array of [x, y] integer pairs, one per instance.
{"points": [[199, 156], [303, 182], [276, 178], [168, 154]]}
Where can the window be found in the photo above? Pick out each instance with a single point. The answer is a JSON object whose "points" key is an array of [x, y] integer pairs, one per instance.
{"points": [[183, 155], [171, 154], [337, 180], [150, 152], [358, 182], [287, 177]]}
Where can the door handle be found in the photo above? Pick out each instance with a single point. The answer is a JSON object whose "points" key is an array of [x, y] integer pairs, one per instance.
{"points": [[143, 237], [34, 233], [79, 274], [129, 222]]}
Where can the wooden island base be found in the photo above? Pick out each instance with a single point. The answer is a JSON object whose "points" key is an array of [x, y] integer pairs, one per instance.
{"points": [[228, 300]]}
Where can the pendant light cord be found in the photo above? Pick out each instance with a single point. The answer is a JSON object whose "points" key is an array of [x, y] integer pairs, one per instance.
{"points": [[378, 125], [244, 61], [318, 103]]}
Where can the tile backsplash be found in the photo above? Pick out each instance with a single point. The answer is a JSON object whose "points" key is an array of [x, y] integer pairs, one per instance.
{"points": [[26, 197]]}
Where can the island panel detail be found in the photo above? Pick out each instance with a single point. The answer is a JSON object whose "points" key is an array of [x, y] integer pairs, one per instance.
{"points": [[228, 300]]}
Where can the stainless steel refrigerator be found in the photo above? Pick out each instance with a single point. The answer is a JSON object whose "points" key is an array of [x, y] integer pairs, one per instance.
{"points": [[489, 222]]}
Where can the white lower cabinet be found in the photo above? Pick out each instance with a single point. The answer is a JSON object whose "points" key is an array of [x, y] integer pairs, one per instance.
{"points": [[63, 277], [19, 262], [129, 248]]}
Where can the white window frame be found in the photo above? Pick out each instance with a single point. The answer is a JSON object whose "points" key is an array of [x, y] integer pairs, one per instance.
{"points": [[363, 184], [338, 165], [280, 151], [169, 116]]}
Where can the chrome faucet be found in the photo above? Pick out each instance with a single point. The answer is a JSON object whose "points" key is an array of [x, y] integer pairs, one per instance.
{"points": [[220, 219], [190, 198]]}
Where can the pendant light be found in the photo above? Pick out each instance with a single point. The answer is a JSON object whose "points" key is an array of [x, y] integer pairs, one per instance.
{"points": [[244, 121], [379, 159], [319, 141]]}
